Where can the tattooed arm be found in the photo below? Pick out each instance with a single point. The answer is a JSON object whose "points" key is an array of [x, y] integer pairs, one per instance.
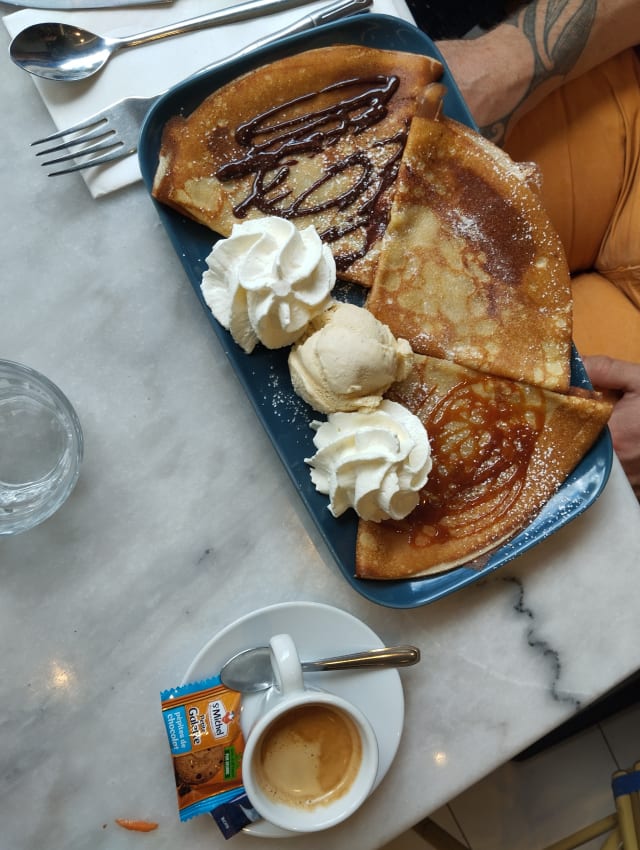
{"points": [[505, 72]]}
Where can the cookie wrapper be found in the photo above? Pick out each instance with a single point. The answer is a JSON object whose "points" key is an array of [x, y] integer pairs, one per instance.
{"points": [[202, 721]]}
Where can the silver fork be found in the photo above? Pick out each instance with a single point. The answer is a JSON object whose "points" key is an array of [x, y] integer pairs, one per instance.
{"points": [[113, 133]]}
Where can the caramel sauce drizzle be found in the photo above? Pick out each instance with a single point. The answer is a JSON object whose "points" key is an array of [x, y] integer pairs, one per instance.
{"points": [[273, 142], [481, 449]]}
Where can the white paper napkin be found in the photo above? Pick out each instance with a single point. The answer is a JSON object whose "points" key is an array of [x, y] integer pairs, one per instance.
{"points": [[150, 69]]}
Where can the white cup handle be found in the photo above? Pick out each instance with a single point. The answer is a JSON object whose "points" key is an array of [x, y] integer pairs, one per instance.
{"points": [[287, 671]]}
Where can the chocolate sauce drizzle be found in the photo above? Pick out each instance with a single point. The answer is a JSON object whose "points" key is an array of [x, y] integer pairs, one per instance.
{"points": [[273, 142]]}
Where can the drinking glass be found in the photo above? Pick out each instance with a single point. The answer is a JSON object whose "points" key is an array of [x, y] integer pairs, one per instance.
{"points": [[41, 447]]}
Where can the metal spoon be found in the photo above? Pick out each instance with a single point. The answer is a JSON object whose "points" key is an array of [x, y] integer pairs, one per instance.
{"points": [[250, 671], [65, 52]]}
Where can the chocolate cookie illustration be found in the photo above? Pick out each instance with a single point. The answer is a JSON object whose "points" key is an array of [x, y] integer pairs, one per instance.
{"points": [[198, 767]]}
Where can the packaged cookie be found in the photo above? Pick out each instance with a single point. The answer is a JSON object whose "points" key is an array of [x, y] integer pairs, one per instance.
{"points": [[202, 721]]}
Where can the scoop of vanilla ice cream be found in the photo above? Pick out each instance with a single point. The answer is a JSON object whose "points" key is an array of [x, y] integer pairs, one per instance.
{"points": [[374, 461], [266, 281], [348, 360]]}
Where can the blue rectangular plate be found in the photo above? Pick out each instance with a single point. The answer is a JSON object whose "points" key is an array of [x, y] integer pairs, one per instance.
{"points": [[265, 374]]}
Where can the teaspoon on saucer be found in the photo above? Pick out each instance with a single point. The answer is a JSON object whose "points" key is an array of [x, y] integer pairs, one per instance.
{"points": [[250, 671], [65, 52]]}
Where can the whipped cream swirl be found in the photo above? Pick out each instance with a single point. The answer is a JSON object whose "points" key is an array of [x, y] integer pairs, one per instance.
{"points": [[373, 461], [267, 281]]}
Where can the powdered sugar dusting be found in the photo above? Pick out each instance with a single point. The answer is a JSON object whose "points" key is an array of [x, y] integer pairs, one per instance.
{"points": [[286, 405]]}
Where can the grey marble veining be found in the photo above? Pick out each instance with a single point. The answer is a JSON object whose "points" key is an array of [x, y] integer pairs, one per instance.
{"points": [[184, 519]]}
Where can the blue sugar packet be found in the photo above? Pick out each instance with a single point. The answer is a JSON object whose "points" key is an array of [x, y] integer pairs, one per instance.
{"points": [[234, 815]]}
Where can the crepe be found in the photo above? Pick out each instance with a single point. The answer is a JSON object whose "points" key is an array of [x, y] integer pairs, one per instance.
{"points": [[316, 137], [471, 269], [500, 450]]}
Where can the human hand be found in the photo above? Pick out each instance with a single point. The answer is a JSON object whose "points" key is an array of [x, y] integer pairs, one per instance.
{"points": [[623, 378]]}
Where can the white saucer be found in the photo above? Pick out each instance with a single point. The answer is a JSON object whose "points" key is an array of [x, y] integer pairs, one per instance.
{"points": [[319, 632]]}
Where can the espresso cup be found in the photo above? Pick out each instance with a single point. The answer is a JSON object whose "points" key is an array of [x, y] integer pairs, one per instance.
{"points": [[311, 757]]}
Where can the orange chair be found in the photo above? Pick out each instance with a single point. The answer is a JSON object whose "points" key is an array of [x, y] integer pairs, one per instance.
{"points": [[585, 137]]}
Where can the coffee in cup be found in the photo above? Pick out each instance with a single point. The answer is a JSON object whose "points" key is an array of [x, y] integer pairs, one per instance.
{"points": [[309, 756]]}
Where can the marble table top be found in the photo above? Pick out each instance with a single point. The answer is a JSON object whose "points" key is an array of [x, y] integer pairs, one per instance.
{"points": [[184, 519]]}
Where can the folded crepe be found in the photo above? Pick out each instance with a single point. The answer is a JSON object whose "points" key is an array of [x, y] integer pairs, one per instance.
{"points": [[471, 269], [500, 450], [315, 137]]}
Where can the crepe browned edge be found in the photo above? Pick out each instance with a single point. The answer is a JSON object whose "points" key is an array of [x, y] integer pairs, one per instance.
{"points": [[511, 443], [471, 269], [193, 149]]}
